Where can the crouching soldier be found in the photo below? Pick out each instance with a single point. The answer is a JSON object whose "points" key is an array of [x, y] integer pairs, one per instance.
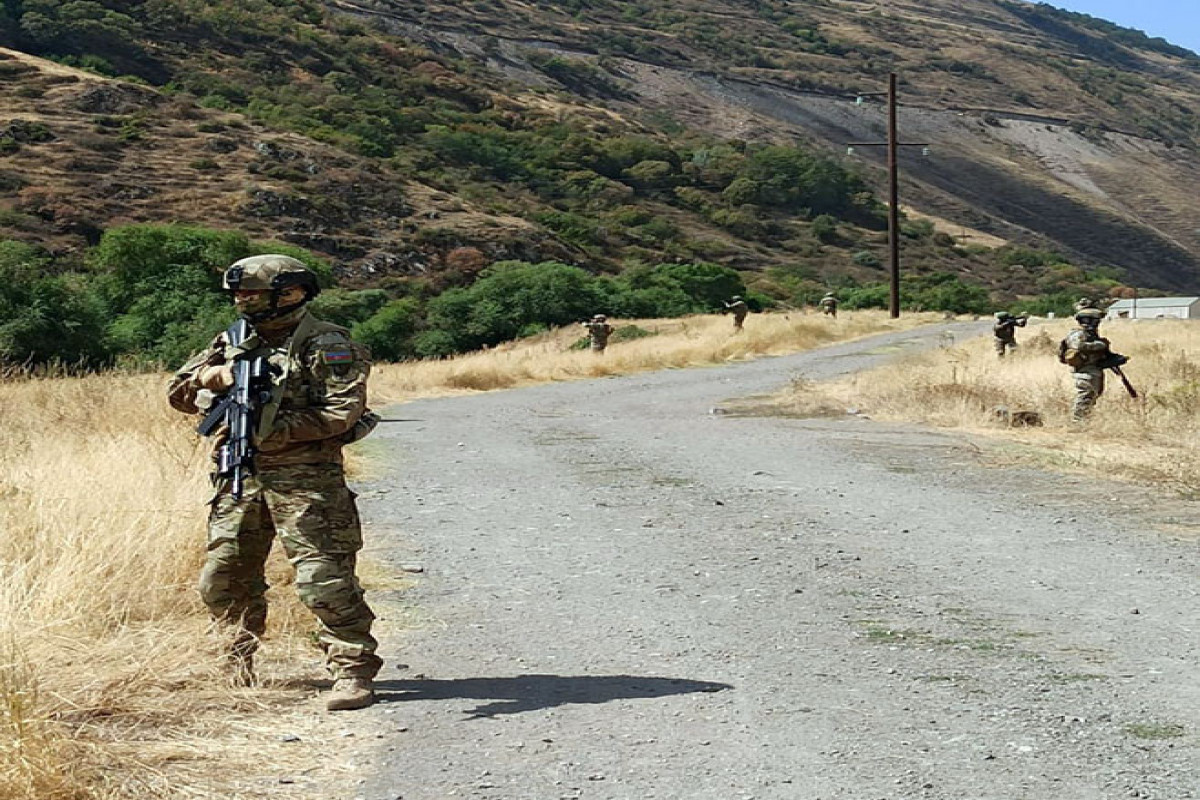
{"points": [[312, 404]]}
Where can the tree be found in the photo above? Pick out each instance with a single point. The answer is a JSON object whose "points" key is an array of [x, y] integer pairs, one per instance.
{"points": [[388, 332], [511, 295], [46, 318], [162, 285]]}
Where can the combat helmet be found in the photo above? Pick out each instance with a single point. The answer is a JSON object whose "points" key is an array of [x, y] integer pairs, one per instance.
{"points": [[1003, 315], [272, 273], [736, 298], [1089, 316], [599, 318]]}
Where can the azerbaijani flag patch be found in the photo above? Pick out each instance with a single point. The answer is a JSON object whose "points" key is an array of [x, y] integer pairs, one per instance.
{"points": [[339, 357]]}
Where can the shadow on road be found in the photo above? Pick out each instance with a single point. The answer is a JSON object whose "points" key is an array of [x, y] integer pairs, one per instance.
{"points": [[531, 692]]}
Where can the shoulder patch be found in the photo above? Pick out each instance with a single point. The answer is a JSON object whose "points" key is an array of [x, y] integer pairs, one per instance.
{"points": [[341, 356]]}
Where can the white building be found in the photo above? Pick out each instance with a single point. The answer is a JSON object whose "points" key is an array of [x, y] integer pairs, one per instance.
{"points": [[1156, 308]]}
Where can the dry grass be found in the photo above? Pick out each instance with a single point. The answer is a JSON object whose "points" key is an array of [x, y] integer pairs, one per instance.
{"points": [[1155, 439], [692, 341], [109, 687]]}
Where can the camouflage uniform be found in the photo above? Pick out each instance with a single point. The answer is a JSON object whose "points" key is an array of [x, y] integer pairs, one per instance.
{"points": [[598, 332], [1005, 332], [737, 306], [298, 492], [1083, 350], [829, 306]]}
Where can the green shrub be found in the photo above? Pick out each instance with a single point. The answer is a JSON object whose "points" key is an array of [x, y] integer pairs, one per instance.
{"points": [[865, 258], [511, 295], [388, 332], [46, 318]]}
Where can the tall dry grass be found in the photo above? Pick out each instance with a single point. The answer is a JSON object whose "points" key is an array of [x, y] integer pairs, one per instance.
{"points": [[692, 341], [102, 637], [1153, 439], [109, 687]]}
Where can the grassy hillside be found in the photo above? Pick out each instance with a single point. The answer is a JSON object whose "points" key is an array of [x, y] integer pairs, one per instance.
{"points": [[413, 144]]}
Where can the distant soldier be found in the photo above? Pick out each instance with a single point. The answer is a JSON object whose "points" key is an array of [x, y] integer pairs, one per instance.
{"points": [[598, 331], [1005, 331], [737, 306], [829, 305], [1087, 353]]}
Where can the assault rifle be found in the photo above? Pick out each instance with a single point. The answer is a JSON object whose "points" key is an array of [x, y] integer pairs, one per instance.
{"points": [[237, 411], [1114, 362]]}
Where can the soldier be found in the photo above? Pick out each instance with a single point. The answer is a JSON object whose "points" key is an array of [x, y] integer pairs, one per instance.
{"points": [[737, 306], [829, 304], [1005, 331], [598, 332], [1084, 350], [298, 489]]}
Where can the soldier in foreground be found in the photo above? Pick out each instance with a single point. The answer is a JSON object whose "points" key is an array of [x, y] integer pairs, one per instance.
{"points": [[1005, 331], [829, 305], [598, 331], [737, 306], [1087, 353], [290, 481]]}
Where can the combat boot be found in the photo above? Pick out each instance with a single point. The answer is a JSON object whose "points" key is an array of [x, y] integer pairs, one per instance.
{"points": [[348, 694]]}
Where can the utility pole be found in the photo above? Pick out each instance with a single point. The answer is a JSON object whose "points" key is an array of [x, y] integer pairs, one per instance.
{"points": [[893, 145], [893, 199]]}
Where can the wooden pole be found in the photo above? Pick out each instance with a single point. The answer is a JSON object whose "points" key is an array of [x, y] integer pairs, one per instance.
{"points": [[893, 200]]}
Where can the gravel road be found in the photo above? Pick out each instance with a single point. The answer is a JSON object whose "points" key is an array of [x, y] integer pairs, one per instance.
{"points": [[628, 596]]}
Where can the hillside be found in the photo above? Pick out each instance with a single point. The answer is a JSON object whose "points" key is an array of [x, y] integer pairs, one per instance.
{"points": [[1081, 131], [416, 141]]}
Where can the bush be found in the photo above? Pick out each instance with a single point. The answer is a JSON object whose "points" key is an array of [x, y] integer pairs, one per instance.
{"points": [[511, 295], [865, 258], [346, 308], [162, 285], [824, 228], [46, 318], [389, 331]]}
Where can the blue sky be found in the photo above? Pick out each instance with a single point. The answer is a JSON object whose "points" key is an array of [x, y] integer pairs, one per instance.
{"points": [[1177, 21]]}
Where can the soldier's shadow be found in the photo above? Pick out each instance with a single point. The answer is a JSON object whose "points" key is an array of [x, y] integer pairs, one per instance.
{"points": [[519, 693]]}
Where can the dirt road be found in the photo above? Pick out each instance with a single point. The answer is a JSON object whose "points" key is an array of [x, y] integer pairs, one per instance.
{"points": [[628, 596]]}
